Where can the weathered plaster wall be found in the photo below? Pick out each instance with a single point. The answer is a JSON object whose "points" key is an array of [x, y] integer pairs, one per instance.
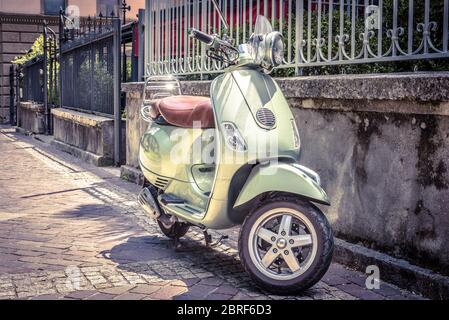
{"points": [[386, 174], [381, 146]]}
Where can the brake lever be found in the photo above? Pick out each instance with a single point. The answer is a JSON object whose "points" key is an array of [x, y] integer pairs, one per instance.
{"points": [[216, 57]]}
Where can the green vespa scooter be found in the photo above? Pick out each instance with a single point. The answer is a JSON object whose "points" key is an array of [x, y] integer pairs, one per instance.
{"points": [[231, 159]]}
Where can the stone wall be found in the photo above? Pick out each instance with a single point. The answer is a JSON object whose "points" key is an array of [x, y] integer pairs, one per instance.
{"points": [[31, 117], [381, 146], [87, 136]]}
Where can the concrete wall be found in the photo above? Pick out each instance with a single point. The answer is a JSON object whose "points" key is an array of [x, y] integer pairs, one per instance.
{"points": [[86, 136], [381, 146], [31, 117]]}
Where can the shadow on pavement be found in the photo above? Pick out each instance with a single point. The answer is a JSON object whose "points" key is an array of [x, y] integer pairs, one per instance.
{"points": [[158, 253]]}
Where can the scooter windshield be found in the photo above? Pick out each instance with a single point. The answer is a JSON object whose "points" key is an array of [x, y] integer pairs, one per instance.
{"points": [[262, 28]]}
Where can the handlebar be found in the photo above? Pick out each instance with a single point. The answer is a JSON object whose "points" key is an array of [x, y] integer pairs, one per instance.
{"points": [[201, 36], [218, 49]]}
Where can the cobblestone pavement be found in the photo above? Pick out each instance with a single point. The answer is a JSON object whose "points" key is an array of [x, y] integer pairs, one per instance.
{"points": [[69, 230]]}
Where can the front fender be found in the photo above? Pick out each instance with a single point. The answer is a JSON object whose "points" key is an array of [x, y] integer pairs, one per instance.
{"points": [[282, 177]]}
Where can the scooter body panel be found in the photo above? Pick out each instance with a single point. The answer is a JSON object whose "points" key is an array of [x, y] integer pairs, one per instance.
{"points": [[236, 97], [168, 161], [281, 177]]}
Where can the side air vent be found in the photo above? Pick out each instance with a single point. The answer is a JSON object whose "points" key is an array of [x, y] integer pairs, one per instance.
{"points": [[161, 183], [266, 117]]}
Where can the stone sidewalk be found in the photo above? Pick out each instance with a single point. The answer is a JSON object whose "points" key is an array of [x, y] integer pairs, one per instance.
{"points": [[69, 230]]}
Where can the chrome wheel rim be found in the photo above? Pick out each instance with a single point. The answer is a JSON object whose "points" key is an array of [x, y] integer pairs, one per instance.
{"points": [[283, 243]]}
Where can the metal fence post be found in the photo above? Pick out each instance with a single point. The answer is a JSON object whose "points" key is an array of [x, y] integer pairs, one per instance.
{"points": [[12, 120], [117, 89], [141, 44], [46, 107], [18, 93], [61, 38]]}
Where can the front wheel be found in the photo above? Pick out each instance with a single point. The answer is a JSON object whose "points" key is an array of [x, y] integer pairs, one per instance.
{"points": [[286, 245]]}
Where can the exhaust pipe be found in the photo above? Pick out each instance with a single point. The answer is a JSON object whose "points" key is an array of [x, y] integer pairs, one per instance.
{"points": [[151, 207]]}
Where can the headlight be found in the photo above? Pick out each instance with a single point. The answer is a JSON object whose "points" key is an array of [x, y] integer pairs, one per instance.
{"points": [[275, 47], [233, 137], [267, 50]]}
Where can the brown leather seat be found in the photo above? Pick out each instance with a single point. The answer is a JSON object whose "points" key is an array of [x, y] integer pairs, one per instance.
{"points": [[187, 111]]}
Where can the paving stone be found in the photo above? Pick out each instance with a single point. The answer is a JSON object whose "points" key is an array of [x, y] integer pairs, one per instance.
{"points": [[130, 296], [145, 289], [200, 291], [47, 297], [168, 292], [215, 282], [334, 280], [9, 293], [105, 285], [178, 283], [360, 293], [226, 289], [81, 294], [118, 290], [190, 282], [101, 296], [387, 290]]}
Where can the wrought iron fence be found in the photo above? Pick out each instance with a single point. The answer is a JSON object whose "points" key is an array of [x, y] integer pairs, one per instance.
{"points": [[316, 32], [39, 81], [33, 80], [87, 73]]}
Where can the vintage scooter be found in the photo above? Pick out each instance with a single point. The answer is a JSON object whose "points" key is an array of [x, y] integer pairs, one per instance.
{"points": [[231, 159]]}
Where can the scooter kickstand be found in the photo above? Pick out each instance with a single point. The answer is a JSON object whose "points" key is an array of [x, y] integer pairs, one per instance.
{"points": [[208, 239], [216, 243]]}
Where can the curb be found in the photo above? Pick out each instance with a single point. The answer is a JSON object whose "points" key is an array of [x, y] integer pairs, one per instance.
{"points": [[131, 174], [397, 271], [96, 160]]}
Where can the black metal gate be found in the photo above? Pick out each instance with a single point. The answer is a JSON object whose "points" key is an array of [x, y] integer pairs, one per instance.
{"points": [[37, 80], [90, 60], [87, 67]]}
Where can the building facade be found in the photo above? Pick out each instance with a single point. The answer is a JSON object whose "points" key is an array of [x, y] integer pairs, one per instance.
{"points": [[21, 23]]}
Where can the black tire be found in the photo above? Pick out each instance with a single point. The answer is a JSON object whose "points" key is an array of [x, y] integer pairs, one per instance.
{"points": [[323, 257], [177, 230]]}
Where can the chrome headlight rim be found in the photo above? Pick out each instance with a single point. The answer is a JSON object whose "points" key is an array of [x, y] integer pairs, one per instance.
{"points": [[268, 50], [276, 48]]}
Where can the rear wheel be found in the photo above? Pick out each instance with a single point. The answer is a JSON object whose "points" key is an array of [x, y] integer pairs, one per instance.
{"points": [[286, 245], [177, 230]]}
